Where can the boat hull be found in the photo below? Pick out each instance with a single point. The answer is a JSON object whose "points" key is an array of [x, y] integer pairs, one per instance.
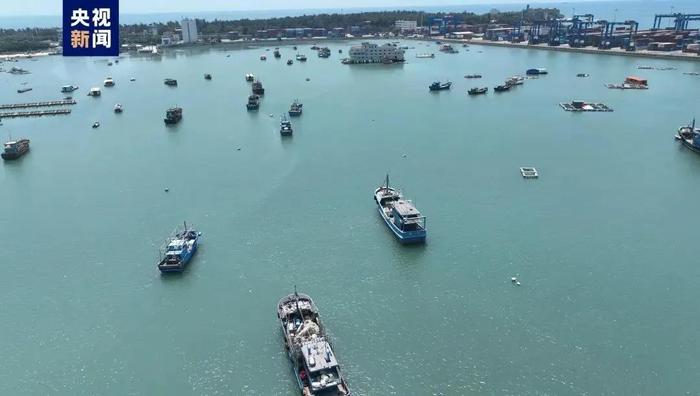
{"points": [[404, 237], [689, 145], [180, 267]]}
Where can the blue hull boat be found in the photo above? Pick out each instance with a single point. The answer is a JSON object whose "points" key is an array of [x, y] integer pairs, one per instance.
{"points": [[400, 215], [179, 250]]}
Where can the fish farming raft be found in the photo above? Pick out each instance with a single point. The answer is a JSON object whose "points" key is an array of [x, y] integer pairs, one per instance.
{"points": [[51, 103], [580, 106]]}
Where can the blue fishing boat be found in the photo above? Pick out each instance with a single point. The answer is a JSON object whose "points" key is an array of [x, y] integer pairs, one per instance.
{"points": [[689, 136], [536, 72], [179, 249], [400, 215]]}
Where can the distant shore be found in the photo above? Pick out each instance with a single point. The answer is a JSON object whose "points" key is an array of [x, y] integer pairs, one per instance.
{"points": [[671, 55]]}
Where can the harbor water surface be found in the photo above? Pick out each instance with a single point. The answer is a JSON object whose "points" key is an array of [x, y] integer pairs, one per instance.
{"points": [[603, 242]]}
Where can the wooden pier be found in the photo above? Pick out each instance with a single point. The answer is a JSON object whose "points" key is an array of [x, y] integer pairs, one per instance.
{"points": [[35, 113], [51, 103]]}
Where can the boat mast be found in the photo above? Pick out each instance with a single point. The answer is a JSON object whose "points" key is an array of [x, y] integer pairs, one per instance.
{"points": [[296, 301]]}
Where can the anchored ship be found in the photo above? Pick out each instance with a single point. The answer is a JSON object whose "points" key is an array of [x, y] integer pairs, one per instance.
{"points": [[689, 136], [179, 249], [253, 102], [316, 368], [296, 108], [15, 149], [438, 86], [400, 215], [285, 126], [173, 115]]}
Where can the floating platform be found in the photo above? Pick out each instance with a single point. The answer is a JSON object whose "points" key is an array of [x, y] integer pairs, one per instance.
{"points": [[35, 113], [578, 106], [529, 172], [51, 103]]}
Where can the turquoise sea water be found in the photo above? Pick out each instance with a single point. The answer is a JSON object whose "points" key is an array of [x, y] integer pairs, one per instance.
{"points": [[603, 242]]}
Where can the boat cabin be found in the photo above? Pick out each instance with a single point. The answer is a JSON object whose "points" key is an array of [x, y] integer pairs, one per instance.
{"points": [[321, 365], [636, 80], [407, 217]]}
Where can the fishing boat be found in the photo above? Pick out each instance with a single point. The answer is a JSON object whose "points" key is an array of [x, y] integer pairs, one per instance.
{"points": [[315, 47], [478, 91], [400, 215], [249, 77], [178, 250], [472, 76], [502, 88], [316, 368], [95, 125], [689, 136], [536, 71], [15, 149], [207, 76], [324, 52], [285, 126], [68, 88], [290, 62], [109, 82], [263, 58], [515, 80], [253, 102], [425, 55], [296, 108], [118, 108], [258, 88], [95, 92], [582, 75], [448, 49], [23, 90], [173, 115], [438, 86], [301, 57], [277, 53], [171, 82]]}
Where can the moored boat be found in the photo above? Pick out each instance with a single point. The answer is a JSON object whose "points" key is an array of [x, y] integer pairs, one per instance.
{"points": [[173, 115], [515, 80], [263, 58], [536, 71], [179, 249], [95, 92], [258, 88], [425, 56], [277, 53], [316, 368], [249, 77], [207, 76], [438, 86], [478, 91], [296, 108], [502, 88], [23, 90], [171, 82], [689, 136], [285, 126], [68, 88], [15, 149], [118, 108], [109, 82], [301, 57], [253, 102], [472, 76], [290, 62], [400, 215]]}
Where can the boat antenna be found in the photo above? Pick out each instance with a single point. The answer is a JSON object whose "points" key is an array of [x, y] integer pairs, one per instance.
{"points": [[693, 127], [387, 180]]}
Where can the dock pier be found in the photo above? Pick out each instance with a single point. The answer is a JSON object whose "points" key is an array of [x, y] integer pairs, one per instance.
{"points": [[52, 103], [35, 113]]}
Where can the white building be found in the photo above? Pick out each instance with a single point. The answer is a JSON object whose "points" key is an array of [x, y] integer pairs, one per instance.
{"points": [[406, 25], [189, 30], [373, 53]]}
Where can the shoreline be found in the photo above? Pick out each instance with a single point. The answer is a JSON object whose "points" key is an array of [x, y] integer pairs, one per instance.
{"points": [[674, 55]]}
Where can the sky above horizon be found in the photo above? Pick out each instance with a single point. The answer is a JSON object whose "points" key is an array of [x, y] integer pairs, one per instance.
{"points": [[54, 7]]}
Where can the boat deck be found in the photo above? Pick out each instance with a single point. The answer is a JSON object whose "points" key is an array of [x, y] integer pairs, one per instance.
{"points": [[596, 107]]}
